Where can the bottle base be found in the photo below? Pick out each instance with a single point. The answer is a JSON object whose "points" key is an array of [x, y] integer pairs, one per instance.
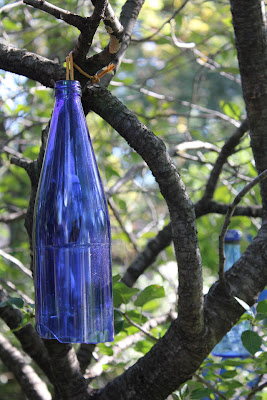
{"points": [[89, 337]]}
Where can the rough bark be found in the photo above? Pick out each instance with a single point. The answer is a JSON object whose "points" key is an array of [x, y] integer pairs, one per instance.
{"points": [[31, 384], [69, 381], [30, 341], [181, 209], [250, 36]]}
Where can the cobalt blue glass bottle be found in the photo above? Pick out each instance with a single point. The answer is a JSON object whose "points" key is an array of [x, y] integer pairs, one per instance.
{"points": [[231, 345], [71, 232]]}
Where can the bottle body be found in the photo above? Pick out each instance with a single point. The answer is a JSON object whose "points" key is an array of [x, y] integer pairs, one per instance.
{"points": [[71, 234], [231, 345]]}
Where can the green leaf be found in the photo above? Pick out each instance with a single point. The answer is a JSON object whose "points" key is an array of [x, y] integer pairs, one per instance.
{"points": [[104, 349], [118, 322], [143, 346], [16, 301], [262, 307], [149, 293], [13, 301], [251, 341], [122, 293], [116, 278], [200, 393], [229, 374], [231, 109]]}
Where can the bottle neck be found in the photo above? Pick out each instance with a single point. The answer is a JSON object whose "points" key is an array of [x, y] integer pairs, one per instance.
{"points": [[67, 89]]}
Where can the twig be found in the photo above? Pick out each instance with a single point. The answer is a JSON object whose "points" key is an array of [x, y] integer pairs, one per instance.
{"points": [[16, 216], [15, 153], [164, 23], [206, 383], [228, 217], [118, 218], [16, 262], [29, 381], [227, 149], [11, 286], [201, 58], [130, 174], [142, 329], [148, 255], [215, 114], [8, 7], [194, 145], [255, 390], [59, 13]]}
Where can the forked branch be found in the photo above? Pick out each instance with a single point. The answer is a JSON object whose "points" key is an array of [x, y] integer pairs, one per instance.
{"points": [[228, 217]]}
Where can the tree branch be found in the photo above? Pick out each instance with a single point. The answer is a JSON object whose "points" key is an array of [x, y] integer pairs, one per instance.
{"points": [[31, 384], [85, 39], [69, 380], [119, 43], [16, 216], [210, 386], [17, 262], [228, 217], [129, 235], [154, 153], [72, 19], [85, 355], [130, 174], [31, 342], [31, 65], [164, 23], [227, 149], [164, 237], [251, 43], [148, 255]]}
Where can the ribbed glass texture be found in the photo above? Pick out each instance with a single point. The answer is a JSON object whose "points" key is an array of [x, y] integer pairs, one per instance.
{"points": [[71, 234], [231, 345]]}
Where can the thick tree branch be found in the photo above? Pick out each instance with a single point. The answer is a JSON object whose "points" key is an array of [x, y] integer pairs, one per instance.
{"points": [[184, 234], [86, 25], [85, 39], [251, 43], [69, 380], [148, 255], [119, 42], [30, 341], [175, 358], [112, 24], [31, 384], [31, 65]]}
